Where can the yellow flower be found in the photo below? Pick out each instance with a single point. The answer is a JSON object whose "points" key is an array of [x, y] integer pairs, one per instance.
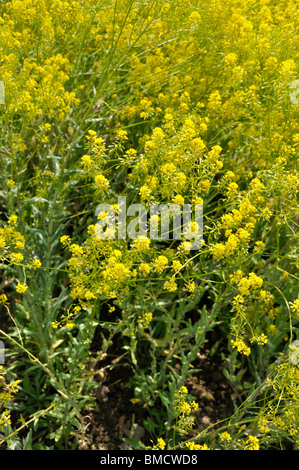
{"points": [[255, 281], [218, 250], [225, 436], [170, 285], [145, 319], [214, 101], [230, 59], [89, 295], [203, 447], [36, 263], [130, 154], [190, 286], [21, 287], [64, 239], [180, 180], [121, 135], [232, 189], [272, 329], [295, 307], [195, 16], [76, 249], [194, 405], [16, 257], [259, 246], [158, 134], [198, 200], [13, 220], [144, 268], [183, 390], [241, 347], [145, 192], [19, 245], [160, 262], [141, 243], [252, 443], [176, 265], [101, 182], [262, 423], [2, 243], [86, 161], [161, 444], [193, 446], [178, 199], [244, 286], [10, 183], [3, 299], [168, 168], [260, 339]]}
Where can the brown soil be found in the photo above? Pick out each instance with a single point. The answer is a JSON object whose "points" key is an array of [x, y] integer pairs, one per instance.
{"points": [[117, 417]]}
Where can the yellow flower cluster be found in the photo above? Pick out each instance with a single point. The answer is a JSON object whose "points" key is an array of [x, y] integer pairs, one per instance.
{"points": [[241, 347], [252, 443], [8, 391], [252, 282], [145, 319], [184, 409]]}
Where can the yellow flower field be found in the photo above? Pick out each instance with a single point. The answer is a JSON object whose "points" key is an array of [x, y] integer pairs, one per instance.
{"points": [[173, 329]]}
